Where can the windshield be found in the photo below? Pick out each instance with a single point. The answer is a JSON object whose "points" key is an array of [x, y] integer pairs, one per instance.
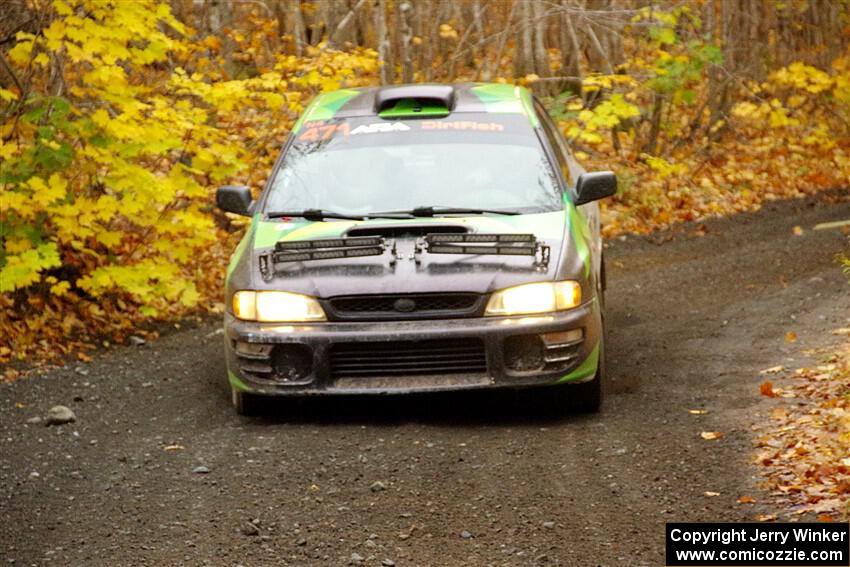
{"points": [[363, 165]]}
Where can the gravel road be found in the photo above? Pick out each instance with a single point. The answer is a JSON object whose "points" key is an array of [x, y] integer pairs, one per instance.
{"points": [[158, 470]]}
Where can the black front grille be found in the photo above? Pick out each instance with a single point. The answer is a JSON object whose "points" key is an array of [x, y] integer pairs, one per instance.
{"points": [[408, 358], [404, 306]]}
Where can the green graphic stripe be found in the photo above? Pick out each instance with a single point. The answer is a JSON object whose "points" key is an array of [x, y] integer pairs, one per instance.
{"points": [[236, 383], [528, 105], [499, 98], [243, 244], [325, 106], [269, 232], [586, 368], [579, 237]]}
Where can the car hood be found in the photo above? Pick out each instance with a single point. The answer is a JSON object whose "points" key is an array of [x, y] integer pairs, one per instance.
{"points": [[433, 273]]}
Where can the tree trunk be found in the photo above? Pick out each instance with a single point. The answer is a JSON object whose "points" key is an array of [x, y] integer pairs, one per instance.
{"points": [[219, 19], [384, 55], [405, 11], [523, 53], [541, 55], [598, 59], [570, 52], [298, 31], [504, 32], [478, 49], [341, 29]]}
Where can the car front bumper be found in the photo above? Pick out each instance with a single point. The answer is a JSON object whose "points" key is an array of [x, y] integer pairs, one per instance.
{"points": [[322, 358]]}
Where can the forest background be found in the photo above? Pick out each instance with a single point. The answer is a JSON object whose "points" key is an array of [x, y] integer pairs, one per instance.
{"points": [[118, 119]]}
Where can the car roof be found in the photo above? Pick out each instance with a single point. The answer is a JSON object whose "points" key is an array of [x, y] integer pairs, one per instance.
{"points": [[421, 101]]}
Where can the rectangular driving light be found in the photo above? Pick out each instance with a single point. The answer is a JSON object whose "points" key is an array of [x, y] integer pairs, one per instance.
{"points": [[355, 241], [330, 254], [445, 238]]}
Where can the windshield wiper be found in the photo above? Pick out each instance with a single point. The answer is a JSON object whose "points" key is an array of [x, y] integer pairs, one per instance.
{"points": [[432, 211], [322, 214]]}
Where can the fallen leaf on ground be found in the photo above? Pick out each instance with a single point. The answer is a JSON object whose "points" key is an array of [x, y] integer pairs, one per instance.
{"points": [[790, 337], [746, 500], [710, 435], [804, 454], [766, 517], [797, 230], [711, 493], [697, 411], [766, 389], [779, 413], [773, 370], [173, 447], [825, 518], [841, 331]]}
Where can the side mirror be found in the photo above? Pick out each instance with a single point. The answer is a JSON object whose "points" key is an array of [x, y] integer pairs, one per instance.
{"points": [[234, 199], [594, 186]]}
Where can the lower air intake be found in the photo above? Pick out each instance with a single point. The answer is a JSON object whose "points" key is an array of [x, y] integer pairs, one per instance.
{"points": [[408, 358]]}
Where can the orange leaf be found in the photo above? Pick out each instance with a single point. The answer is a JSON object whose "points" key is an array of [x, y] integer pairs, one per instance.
{"points": [[746, 500], [790, 337], [766, 389]]}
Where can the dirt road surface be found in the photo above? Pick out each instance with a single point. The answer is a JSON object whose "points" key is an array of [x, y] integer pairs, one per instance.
{"points": [[158, 470]]}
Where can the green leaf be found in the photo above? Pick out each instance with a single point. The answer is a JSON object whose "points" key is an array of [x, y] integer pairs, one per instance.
{"points": [[664, 36]]}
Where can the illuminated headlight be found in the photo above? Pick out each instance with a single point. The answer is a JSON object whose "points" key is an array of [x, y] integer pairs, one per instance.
{"points": [[540, 297], [276, 307]]}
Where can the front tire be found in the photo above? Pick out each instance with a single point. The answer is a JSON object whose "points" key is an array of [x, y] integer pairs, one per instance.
{"points": [[245, 403], [584, 397], [587, 396]]}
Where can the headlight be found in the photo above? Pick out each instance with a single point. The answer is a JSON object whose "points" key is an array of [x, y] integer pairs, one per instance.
{"points": [[541, 297], [276, 307]]}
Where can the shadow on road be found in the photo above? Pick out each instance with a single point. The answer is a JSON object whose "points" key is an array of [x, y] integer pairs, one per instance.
{"points": [[483, 408]]}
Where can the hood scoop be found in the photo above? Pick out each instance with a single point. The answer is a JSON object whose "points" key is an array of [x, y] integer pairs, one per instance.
{"points": [[405, 230]]}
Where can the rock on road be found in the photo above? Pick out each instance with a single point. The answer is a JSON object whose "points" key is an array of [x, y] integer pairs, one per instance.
{"points": [[158, 470]]}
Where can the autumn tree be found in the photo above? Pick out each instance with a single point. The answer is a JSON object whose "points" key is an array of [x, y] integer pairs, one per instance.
{"points": [[119, 119]]}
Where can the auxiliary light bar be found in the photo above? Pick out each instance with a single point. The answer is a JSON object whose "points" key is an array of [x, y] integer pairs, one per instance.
{"points": [[329, 254], [472, 249], [502, 238], [354, 241], [321, 249], [485, 244]]}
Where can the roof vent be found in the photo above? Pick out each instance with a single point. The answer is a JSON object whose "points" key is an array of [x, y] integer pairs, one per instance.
{"points": [[411, 101]]}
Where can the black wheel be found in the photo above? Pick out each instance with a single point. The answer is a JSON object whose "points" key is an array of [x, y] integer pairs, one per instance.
{"points": [[587, 396], [245, 403], [584, 397]]}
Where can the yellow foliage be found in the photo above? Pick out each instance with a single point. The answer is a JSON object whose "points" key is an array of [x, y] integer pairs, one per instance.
{"points": [[663, 167], [112, 181]]}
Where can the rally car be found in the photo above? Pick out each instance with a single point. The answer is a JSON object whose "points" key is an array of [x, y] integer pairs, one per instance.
{"points": [[419, 238]]}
